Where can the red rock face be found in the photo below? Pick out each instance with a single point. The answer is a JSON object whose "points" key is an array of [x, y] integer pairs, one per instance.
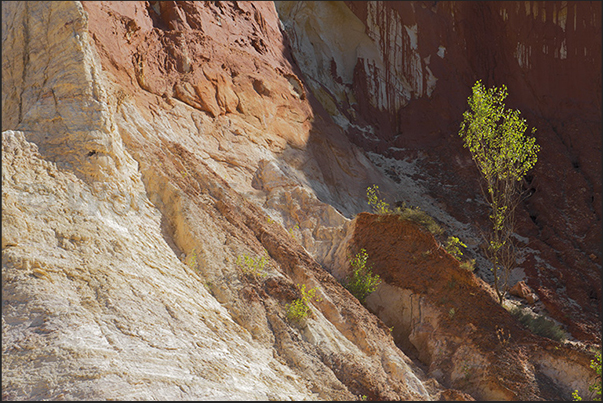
{"points": [[549, 56], [407, 256]]}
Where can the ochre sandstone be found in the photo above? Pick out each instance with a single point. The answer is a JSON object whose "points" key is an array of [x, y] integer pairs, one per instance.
{"points": [[148, 147]]}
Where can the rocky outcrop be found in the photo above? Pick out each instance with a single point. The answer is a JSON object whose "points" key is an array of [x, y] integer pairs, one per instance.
{"points": [[447, 318], [170, 177], [396, 76], [521, 290], [136, 174]]}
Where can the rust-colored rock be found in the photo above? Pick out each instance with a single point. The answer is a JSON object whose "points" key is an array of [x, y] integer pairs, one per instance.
{"points": [[148, 145], [453, 395], [522, 290], [450, 320]]}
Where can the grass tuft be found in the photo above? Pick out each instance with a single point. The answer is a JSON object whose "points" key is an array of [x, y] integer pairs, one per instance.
{"points": [[539, 324]]}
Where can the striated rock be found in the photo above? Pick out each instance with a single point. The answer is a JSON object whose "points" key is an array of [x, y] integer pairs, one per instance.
{"points": [[96, 304], [126, 212], [450, 395], [150, 147]]}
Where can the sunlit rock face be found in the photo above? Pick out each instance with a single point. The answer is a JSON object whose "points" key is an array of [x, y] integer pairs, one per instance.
{"points": [[173, 172], [146, 149], [396, 76]]}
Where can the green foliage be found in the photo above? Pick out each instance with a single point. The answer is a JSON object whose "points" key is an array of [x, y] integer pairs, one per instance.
{"points": [[252, 266], [596, 365], [291, 230], [451, 313], [596, 387], [495, 136], [503, 155], [299, 308], [361, 282], [377, 204], [539, 324], [468, 265], [415, 214], [453, 245], [576, 396], [192, 263]]}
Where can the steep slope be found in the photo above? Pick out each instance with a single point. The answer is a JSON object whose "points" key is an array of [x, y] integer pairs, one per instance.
{"points": [[447, 318], [170, 179], [396, 77], [134, 178]]}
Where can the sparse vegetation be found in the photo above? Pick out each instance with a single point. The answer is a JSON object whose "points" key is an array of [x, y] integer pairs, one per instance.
{"points": [[596, 366], [361, 282], [503, 155], [415, 214], [502, 336], [375, 202], [596, 387], [538, 324], [468, 265], [252, 266], [467, 371], [292, 231], [192, 262], [299, 308], [453, 245], [451, 313]]}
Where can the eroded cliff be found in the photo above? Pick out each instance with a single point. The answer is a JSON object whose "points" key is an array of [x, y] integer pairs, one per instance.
{"points": [[149, 147], [396, 76], [126, 205]]}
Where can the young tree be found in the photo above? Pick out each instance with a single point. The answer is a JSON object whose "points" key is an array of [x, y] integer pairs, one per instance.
{"points": [[503, 155]]}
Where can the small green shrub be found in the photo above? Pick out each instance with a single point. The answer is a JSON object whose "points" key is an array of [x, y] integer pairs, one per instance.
{"points": [[291, 231], [453, 245], [539, 325], [361, 282], [596, 365], [417, 215], [596, 387], [576, 396], [252, 266], [468, 265], [192, 263], [377, 205], [299, 308]]}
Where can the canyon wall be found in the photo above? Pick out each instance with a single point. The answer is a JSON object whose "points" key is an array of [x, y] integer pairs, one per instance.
{"points": [[396, 77], [173, 172], [158, 216]]}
